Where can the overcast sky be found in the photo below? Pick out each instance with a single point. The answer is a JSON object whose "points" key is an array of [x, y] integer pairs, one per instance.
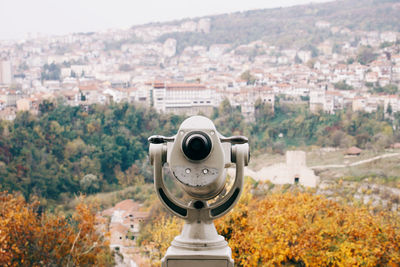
{"points": [[18, 17]]}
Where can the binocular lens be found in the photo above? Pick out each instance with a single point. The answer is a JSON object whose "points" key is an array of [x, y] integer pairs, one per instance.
{"points": [[196, 146]]}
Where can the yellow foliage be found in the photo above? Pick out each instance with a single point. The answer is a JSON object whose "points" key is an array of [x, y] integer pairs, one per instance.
{"points": [[306, 230], [159, 236], [387, 130], [295, 229]]}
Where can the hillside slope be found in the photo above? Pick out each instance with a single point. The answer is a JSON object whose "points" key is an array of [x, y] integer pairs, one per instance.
{"points": [[295, 25]]}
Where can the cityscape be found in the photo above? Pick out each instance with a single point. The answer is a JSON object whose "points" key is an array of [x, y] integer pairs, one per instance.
{"points": [[131, 66]]}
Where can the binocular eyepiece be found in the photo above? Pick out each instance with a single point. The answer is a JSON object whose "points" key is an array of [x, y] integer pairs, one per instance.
{"points": [[196, 146]]}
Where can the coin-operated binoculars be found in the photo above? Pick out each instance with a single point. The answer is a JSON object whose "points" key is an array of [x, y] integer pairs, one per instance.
{"points": [[198, 157]]}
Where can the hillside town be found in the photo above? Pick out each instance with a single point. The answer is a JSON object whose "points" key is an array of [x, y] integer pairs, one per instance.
{"points": [[362, 72]]}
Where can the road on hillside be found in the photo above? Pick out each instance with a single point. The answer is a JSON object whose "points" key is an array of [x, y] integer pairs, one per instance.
{"points": [[389, 155]]}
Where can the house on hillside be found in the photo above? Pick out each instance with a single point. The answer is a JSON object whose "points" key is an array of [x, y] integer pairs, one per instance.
{"points": [[248, 97], [125, 219]]}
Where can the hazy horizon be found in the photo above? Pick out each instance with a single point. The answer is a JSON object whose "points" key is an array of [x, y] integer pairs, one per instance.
{"points": [[46, 17]]}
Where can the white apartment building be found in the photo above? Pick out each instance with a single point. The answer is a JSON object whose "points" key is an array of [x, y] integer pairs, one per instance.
{"points": [[183, 98], [333, 101], [248, 98], [5, 72], [317, 100], [393, 101]]}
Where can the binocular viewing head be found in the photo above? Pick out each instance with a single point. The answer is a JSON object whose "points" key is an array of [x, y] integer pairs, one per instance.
{"points": [[198, 156]]}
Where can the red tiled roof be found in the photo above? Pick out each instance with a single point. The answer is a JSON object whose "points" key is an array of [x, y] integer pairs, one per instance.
{"points": [[353, 151], [127, 204], [155, 84], [90, 87], [118, 227], [108, 212], [333, 93], [185, 86]]}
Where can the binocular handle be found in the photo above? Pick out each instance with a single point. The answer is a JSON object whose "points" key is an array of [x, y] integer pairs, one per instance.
{"points": [[234, 140], [158, 156], [160, 139], [240, 156]]}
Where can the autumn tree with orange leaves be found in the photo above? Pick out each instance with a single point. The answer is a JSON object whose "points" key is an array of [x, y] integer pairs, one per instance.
{"points": [[28, 238], [300, 229]]}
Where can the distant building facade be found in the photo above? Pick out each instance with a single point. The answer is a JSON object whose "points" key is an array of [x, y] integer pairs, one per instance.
{"points": [[294, 171], [5, 72], [183, 98], [125, 223]]}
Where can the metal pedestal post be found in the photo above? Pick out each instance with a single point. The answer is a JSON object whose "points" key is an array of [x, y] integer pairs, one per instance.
{"points": [[198, 245]]}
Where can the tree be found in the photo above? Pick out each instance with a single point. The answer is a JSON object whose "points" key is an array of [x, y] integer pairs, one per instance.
{"points": [[46, 106], [390, 89], [248, 77], [303, 229], [350, 61], [296, 229], [366, 55], [297, 60], [130, 177], [389, 109], [342, 85], [159, 235], [90, 183], [263, 111], [30, 237], [51, 72]]}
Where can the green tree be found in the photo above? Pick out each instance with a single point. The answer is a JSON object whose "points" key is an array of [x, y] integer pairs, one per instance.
{"points": [[46, 106], [342, 85], [248, 77], [366, 55], [90, 183], [51, 72], [389, 109]]}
